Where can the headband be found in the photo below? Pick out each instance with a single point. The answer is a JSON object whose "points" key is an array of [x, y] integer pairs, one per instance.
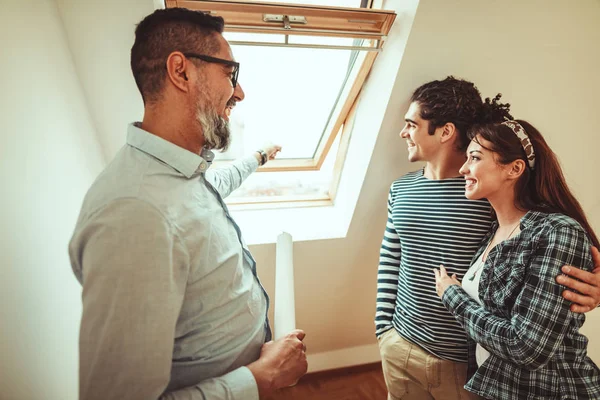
{"points": [[518, 129]]}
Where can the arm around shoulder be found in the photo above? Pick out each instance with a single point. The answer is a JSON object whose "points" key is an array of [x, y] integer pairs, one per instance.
{"points": [[583, 287], [541, 318]]}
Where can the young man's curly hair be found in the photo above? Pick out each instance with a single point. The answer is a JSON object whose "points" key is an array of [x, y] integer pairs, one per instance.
{"points": [[459, 102]]}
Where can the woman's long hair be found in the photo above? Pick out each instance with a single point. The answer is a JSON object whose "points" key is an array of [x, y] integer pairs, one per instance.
{"points": [[543, 188]]}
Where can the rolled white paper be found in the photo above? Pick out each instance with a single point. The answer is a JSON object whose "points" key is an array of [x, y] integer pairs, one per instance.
{"points": [[285, 308]]}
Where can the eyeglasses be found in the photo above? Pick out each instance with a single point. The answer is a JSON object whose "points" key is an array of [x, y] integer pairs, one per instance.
{"points": [[235, 65]]}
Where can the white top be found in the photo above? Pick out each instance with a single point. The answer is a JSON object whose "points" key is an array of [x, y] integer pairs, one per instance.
{"points": [[470, 284]]}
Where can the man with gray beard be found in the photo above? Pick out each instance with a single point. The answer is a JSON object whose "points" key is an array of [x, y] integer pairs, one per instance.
{"points": [[172, 305]]}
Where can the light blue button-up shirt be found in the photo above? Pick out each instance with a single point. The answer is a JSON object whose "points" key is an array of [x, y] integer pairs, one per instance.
{"points": [[172, 306]]}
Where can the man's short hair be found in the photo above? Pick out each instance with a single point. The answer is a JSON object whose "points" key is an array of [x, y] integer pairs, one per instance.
{"points": [[166, 31], [450, 100]]}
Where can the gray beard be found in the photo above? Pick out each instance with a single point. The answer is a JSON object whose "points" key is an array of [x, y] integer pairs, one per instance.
{"points": [[215, 128]]}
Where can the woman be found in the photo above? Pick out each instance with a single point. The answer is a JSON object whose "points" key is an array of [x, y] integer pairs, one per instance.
{"points": [[528, 340]]}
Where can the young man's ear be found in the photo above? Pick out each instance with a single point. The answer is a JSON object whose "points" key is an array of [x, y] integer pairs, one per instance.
{"points": [[448, 132]]}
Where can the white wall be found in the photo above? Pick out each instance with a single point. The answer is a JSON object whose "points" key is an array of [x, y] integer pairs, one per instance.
{"points": [[48, 158], [100, 35]]}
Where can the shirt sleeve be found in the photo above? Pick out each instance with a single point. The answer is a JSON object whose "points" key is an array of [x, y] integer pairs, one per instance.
{"points": [[541, 317], [387, 274], [236, 385], [134, 275], [226, 179]]}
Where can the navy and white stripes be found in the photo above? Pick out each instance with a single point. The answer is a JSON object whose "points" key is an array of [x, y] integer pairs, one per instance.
{"points": [[430, 222]]}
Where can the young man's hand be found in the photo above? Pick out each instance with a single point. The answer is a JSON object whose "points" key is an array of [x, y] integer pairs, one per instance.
{"points": [[587, 284]]}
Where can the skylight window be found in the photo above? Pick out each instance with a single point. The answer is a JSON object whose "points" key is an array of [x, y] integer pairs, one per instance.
{"points": [[302, 68], [293, 97]]}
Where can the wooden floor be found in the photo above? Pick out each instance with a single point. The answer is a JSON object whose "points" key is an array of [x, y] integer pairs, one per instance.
{"points": [[357, 383]]}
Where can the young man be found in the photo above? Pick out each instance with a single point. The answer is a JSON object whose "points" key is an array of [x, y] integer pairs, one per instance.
{"points": [[430, 222], [172, 305]]}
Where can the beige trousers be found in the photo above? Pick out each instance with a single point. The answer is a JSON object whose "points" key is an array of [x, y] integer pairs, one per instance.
{"points": [[412, 373]]}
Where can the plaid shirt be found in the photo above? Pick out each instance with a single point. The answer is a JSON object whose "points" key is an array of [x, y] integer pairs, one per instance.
{"points": [[536, 349]]}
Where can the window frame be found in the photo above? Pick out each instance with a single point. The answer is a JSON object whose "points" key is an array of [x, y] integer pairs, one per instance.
{"points": [[322, 21]]}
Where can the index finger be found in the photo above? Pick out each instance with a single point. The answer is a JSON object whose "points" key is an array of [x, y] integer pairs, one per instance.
{"points": [[585, 276], [443, 272]]}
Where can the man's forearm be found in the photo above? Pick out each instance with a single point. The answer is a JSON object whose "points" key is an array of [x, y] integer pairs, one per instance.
{"points": [[258, 157], [228, 178]]}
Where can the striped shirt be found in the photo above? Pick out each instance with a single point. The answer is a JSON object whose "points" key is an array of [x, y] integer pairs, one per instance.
{"points": [[430, 222]]}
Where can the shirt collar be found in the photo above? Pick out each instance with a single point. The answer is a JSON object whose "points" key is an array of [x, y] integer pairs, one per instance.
{"points": [[527, 220], [182, 160]]}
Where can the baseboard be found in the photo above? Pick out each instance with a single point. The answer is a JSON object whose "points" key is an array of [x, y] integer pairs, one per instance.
{"points": [[343, 358]]}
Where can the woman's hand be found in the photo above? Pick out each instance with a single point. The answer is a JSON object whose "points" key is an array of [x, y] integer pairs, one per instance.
{"points": [[443, 281]]}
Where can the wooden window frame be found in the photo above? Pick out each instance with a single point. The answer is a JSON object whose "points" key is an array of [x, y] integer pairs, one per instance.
{"points": [[307, 201], [242, 16], [324, 21]]}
